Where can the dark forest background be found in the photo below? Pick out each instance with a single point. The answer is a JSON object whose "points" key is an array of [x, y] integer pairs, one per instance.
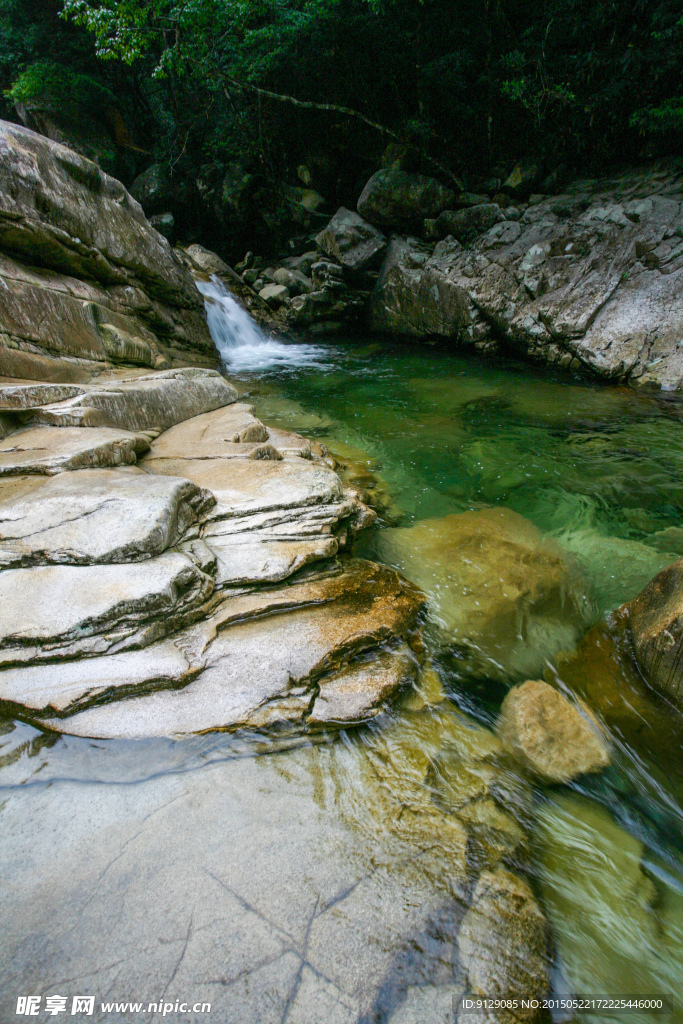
{"points": [[222, 104]]}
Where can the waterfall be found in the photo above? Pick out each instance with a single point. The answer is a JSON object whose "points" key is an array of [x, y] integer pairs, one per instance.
{"points": [[241, 343]]}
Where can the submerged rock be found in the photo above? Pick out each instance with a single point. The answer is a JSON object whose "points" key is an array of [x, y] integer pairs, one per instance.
{"points": [[612, 930], [554, 740], [504, 596], [603, 672], [503, 944]]}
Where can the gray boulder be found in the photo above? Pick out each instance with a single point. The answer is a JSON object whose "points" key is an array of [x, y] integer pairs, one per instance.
{"points": [[413, 296], [274, 294], [85, 278], [394, 197], [351, 240], [293, 280]]}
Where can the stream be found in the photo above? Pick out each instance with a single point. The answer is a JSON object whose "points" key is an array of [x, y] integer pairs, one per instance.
{"points": [[427, 433]]}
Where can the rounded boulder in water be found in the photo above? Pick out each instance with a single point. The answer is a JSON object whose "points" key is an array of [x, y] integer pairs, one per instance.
{"points": [[552, 738], [504, 596]]}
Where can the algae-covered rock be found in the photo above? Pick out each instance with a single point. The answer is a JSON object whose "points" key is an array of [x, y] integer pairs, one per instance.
{"points": [[507, 598], [656, 621], [553, 739]]}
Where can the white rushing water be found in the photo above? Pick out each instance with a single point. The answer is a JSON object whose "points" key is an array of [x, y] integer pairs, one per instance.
{"points": [[241, 342]]}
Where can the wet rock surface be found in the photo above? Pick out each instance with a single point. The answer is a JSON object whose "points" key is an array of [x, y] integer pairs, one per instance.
{"points": [[295, 901], [555, 740], [503, 943], [655, 619]]}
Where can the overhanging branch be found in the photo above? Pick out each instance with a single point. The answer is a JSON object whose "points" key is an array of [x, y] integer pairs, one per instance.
{"points": [[347, 112]]}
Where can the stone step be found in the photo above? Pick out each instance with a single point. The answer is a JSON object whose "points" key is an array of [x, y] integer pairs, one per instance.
{"points": [[49, 450], [97, 516], [152, 402]]}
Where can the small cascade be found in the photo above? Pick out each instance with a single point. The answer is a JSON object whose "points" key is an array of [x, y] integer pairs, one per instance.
{"points": [[241, 342]]}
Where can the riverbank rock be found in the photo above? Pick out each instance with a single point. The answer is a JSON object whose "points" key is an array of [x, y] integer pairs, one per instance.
{"points": [[155, 598], [589, 279], [86, 279], [553, 739], [146, 403], [410, 298], [656, 622], [504, 597], [239, 671], [97, 516]]}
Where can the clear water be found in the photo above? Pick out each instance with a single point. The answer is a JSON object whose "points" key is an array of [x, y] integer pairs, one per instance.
{"points": [[600, 470], [428, 433]]}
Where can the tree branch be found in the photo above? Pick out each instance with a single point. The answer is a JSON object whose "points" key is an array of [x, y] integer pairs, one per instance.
{"points": [[348, 112]]}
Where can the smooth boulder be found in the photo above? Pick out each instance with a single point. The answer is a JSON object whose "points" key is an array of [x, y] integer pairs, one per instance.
{"points": [[505, 597], [47, 604], [552, 738], [154, 402], [86, 279], [97, 516], [49, 450]]}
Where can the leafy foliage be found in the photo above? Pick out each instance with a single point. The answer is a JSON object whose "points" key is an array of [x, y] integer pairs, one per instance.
{"points": [[472, 86]]}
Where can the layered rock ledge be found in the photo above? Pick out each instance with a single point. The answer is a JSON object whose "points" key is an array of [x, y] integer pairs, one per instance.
{"points": [[186, 574]]}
